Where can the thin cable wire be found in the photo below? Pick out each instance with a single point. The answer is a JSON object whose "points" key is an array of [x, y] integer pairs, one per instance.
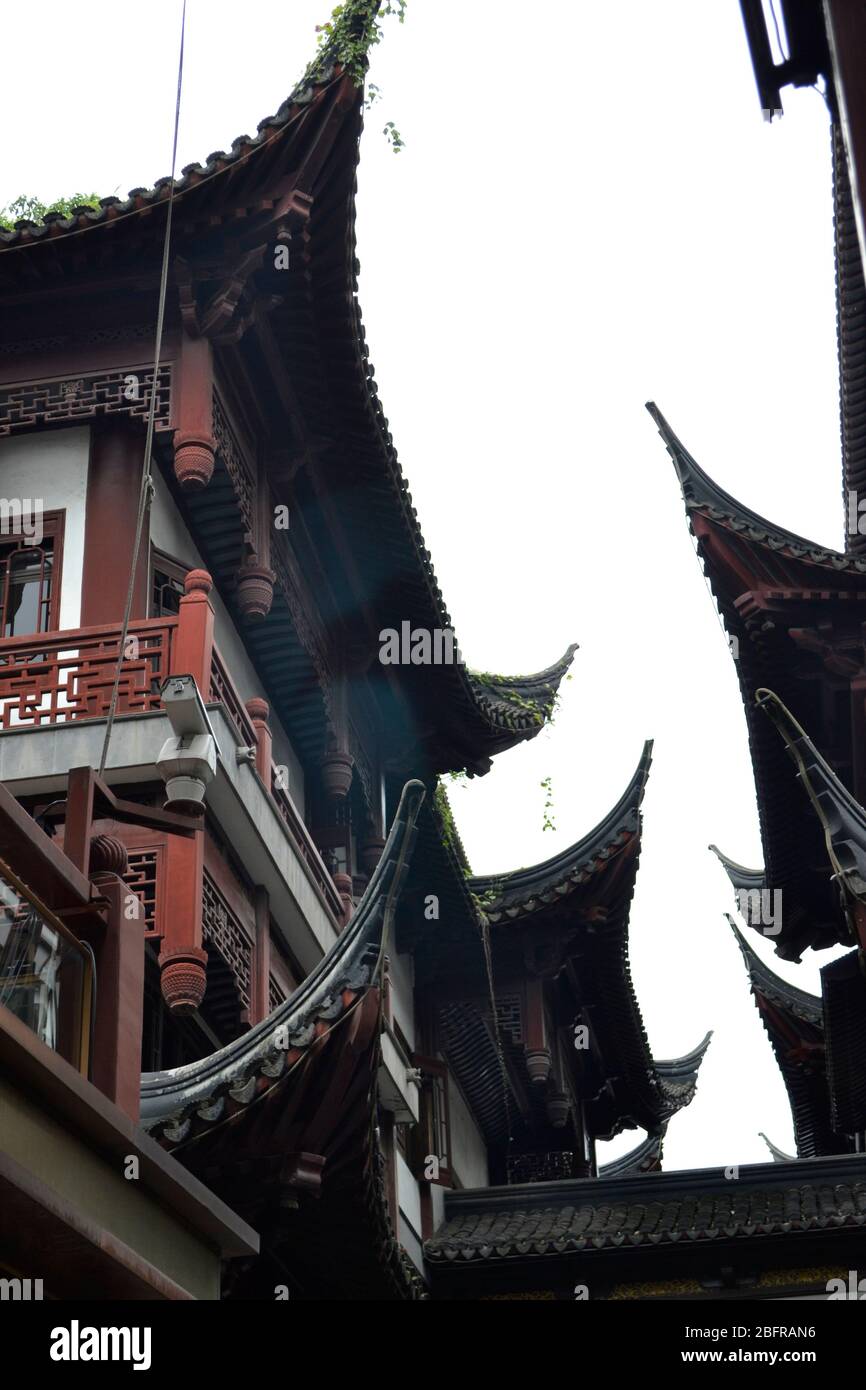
{"points": [[782, 52], [144, 494]]}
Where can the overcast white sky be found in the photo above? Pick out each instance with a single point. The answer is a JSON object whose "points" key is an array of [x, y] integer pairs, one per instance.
{"points": [[589, 213]]}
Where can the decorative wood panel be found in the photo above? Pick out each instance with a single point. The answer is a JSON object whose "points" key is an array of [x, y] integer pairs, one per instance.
{"points": [[71, 400], [237, 466], [223, 690], [363, 767], [223, 929], [53, 678], [141, 879], [306, 848], [276, 994], [303, 609]]}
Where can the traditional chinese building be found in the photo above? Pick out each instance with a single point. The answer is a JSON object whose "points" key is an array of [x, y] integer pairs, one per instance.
{"points": [[337, 1024], [243, 958]]}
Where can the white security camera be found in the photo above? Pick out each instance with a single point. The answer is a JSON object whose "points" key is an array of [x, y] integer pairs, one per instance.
{"points": [[184, 706], [187, 760]]}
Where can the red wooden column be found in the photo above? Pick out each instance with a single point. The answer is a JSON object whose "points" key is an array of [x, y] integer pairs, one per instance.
{"points": [[182, 960], [260, 1002], [116, 1065], [258, 711], [192, 648], [79, 816], [113, 485], [194, 444]]}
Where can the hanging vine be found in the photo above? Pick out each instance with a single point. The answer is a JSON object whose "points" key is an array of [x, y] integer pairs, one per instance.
{"points": [[547, 787], [346, 38]]}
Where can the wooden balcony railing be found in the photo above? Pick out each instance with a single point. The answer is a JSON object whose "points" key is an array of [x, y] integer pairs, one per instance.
{"points": [[253, 733], [306, 847], [222, 691], [55, 677], [58, 677]]}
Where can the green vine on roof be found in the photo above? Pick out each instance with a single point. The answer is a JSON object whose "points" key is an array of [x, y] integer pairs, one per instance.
{"points": [[346, 38], [27, 208], [450, 836], [537, 715], [485, 900], [547, 787]]}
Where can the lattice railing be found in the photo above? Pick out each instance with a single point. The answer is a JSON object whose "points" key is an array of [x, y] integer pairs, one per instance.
{"points": [[224, 930], [305, 845], [237, 466], [276, 994], [222, 690], [56, 677]]}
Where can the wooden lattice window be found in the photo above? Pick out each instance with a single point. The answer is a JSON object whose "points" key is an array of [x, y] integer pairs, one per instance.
{"points": [[276, 994], [141, 879], [222, 928], [30, 580], [429, 1141], [166, 585]]}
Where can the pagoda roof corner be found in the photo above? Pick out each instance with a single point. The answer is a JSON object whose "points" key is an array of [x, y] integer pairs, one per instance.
{"points": [[741, 878], [684, 1070], [790, 999], [794, 1023], [779, 1155], [529, 892], [518, 705], [701, 494], [645, 1157]]}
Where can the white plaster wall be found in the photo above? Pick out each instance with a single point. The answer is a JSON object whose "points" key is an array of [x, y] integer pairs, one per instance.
{"points": [[52, 466], [438, 1195], [408, 1196], [403, 995], [468, 1150], [169, 534]]}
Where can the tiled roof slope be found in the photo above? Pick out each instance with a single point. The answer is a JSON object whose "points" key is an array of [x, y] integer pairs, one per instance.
{"points": [[694, 1207]]}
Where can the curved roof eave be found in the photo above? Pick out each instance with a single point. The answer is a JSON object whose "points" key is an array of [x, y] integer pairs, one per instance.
{"points": [[645, 1157], [778, 1155], [702, 494], [525, 891], [740, 876], [794, 1023], [790, 999], [684, 1070], [168, 1097], [520, 703]]}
